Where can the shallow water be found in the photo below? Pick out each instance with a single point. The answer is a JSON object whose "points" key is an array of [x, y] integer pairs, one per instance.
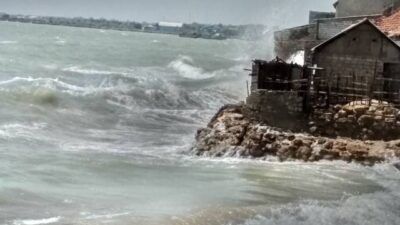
{"points": [[95, 127]]}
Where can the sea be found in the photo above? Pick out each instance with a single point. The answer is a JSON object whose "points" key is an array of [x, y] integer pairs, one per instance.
{"points": [[96, 127]]}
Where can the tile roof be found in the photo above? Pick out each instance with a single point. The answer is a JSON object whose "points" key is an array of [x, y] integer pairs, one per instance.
{"points": [[390, 25]]}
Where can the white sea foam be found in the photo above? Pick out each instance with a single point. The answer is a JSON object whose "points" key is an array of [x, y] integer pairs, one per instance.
{"points": [[106, 216], [8, 42], [297, 57], [184, 66], [13, 130], [77, 69], [380, 207], [37, 222]]}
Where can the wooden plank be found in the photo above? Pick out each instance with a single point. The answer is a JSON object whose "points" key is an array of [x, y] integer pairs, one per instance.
{"points": [[388, 79]]}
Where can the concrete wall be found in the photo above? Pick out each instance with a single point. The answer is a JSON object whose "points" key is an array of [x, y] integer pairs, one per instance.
{"points": [[277, 109], [362, 7], [290, 41]]}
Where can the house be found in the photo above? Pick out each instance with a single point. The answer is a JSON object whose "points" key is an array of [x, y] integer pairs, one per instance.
{"points": [[323, 26], [352, 55], [170, 27], [359, 61]]}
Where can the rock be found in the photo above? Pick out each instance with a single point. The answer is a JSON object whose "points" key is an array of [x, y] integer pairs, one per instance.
{"points": [[351, 118], [379, 113], [329, 145], [313, 129], [269, 138], [298, 142], [232, 134], [304, 153], [388, 111], [342, 121], [291, 137], [346, 156], [257, 152], [397, 166], [337, 107], [348, 109], [342, 114], [390, 120], [284, 153], [328, 117], [365, 120], [360, 109], [314, 158], [378, 118]]}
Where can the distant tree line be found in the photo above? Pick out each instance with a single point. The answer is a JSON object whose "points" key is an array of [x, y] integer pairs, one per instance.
{"points": [[193, 30]]}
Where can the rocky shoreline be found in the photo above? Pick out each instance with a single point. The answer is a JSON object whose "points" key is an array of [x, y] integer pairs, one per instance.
{"points": [[231, 133]]}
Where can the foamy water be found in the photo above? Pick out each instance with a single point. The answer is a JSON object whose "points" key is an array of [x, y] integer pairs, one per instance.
{"points": [[95, 127]]}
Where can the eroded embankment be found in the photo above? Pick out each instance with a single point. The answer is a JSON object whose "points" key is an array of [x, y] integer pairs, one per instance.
{"points": [[231, 134]]}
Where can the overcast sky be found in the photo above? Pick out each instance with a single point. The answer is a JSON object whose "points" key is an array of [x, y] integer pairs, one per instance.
{"points": [[270, 12]]}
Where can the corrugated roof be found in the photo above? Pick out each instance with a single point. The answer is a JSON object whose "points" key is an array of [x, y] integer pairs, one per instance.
{"points": [[365, 21]]}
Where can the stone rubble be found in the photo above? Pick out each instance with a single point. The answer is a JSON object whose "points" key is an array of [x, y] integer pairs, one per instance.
{"points": [[359, 120], [231, 134]]}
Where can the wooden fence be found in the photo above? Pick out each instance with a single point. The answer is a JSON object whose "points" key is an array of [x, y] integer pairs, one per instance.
{"points": [[321, 90]]}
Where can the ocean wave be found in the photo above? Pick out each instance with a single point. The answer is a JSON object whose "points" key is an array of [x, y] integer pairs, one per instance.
{"points": [[380, 207], [130, 93], [8, 42], [37, 222], [77, 69], [17, 130], [184, 65]]}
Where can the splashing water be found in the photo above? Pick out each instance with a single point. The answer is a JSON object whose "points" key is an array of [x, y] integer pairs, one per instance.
{"points": [[94, 127]]}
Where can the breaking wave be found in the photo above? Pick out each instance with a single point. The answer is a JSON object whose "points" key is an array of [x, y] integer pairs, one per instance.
{"points": [[37, 222], [184, 65], [130, 92], [77, 69], [8, 42]]}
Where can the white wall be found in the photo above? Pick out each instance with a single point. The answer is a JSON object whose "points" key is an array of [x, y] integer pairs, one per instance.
{"points": [[362, 7]]}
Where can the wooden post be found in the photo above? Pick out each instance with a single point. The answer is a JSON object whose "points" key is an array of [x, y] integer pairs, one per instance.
{"points": [[354, 98], [247, 86], [329, 82], [337, 89], [372, 84]]}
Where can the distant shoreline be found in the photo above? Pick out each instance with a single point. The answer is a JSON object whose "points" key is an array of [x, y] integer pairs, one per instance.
{"points": [[194, 30]]}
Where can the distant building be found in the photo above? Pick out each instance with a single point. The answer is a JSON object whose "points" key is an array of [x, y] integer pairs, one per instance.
{"points": [[346, 8], [170, 27], [314, 16]]}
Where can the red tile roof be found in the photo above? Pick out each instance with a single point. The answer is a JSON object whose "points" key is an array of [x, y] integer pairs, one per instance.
{"points": [[390, 25]]}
